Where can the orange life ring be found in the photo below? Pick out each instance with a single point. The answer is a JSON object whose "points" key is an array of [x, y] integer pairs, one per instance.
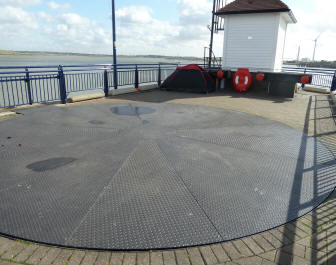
{"points": [[242, 80]]}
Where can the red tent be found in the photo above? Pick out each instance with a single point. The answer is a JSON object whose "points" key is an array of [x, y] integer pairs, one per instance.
{"points": [[191, 78]]}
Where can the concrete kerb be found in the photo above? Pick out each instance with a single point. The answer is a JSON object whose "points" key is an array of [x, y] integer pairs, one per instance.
{"points": [[131, 89], [83, 96], [7, 114], [333, 96], [316, 89], [99, 93]]}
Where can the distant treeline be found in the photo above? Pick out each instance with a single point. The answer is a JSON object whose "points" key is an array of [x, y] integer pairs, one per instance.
{"points": [[317, 64]]}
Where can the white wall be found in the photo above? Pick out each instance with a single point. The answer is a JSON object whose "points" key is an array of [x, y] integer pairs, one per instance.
{"points": [[251, 41], [281, 41]]}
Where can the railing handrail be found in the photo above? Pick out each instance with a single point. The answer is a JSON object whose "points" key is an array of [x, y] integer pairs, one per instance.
{"points": [[217, 62], [83, 65], [82, 68], [311, 69]]}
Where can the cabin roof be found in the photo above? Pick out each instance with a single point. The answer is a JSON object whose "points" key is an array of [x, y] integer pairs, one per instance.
{"points": [[253, 6]]}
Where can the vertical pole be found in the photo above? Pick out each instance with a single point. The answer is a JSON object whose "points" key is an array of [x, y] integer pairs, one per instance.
{"points": [[106, 85], [28, 87], [159, 76], [136, 79], [204, 59], [115, 70], [62, 85], [212, 31], [333, 84]]}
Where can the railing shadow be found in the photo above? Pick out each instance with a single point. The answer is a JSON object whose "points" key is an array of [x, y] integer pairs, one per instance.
{"points": [[162, 96], [323, 172]]}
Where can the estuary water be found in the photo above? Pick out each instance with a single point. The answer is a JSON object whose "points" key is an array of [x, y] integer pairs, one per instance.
{"points": [[38, 59]]}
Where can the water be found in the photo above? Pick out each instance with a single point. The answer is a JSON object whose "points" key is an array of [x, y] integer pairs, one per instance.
{"points": [[14, 60]]}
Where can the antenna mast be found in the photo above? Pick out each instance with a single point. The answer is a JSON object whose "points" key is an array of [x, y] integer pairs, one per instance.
{"points": [[217, 24], [212, 32]]}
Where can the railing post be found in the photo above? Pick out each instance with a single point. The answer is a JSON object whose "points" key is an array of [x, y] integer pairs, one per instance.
{"points": [[304, 72], [159, 75], [115, 76], [136, 79], [106, 85], [28, 87], [62, 85], [333, 84]]}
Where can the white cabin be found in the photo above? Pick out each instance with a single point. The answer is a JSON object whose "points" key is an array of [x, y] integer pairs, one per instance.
{"points": [[255, 34]]}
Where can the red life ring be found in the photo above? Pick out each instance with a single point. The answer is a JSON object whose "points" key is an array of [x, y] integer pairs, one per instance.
{"points": [[242, 80], [220, 74], [305, 79], [260, 77]]}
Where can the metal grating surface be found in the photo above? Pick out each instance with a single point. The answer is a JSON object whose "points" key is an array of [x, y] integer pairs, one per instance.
{"points": [[170, 177]]}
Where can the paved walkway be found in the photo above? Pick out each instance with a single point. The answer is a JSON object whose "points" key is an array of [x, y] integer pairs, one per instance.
{"points": [[309, 240]]}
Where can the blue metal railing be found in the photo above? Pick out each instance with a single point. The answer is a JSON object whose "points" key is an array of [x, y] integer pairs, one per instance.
{"points": [[23, 85]]}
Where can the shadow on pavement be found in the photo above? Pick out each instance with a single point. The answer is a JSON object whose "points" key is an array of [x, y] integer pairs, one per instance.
{"points": [[320, 246], [161, 96]]}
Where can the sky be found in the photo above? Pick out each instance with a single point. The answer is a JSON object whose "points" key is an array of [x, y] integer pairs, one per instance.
{"points": [[169, 27]]}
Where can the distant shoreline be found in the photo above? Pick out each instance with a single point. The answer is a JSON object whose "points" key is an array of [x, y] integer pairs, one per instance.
{"points": [[43, 53], [317, 64]]}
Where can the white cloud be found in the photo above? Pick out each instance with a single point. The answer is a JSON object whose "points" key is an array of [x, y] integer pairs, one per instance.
{"points": [[134, 14], [139, 31], [18, 28], [75, 20], [20, 3], [194, 12], [24, 30], [321, 19], [75, 33], [45, 17], [59, 7], [16, 17]]}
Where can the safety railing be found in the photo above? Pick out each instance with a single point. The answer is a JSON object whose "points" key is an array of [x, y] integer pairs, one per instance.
{"points": [[321, 77], [23, 85], [215, 62]]}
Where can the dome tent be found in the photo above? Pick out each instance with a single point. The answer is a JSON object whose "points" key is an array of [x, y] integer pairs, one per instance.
{"points": [[190, 78]]}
